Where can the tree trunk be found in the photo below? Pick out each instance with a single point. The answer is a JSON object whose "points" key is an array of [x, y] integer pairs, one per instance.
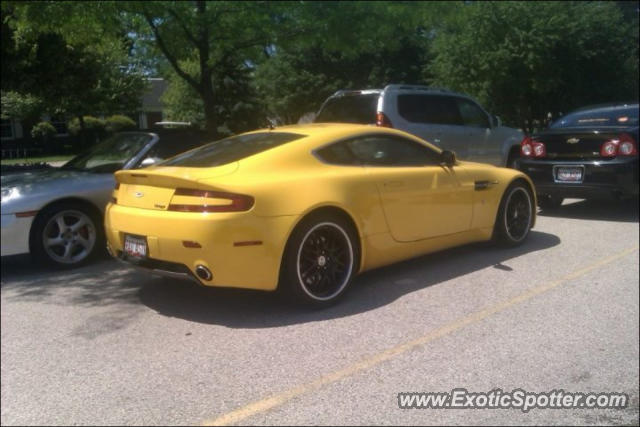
{"points": [[210, 118], [209, 100]]}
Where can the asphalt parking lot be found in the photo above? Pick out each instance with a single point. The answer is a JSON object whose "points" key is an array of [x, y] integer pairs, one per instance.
{"points": [[105, 344]]}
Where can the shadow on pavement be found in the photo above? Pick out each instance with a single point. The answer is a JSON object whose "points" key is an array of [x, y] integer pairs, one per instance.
{"points": [[253, 309], [102, 283], [602, 210]]}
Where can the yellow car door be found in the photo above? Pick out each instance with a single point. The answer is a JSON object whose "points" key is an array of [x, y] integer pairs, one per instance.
{"points": [[424, 202], [421, 199]]}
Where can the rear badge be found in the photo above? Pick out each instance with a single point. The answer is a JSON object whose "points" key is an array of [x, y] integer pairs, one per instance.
{"points": [[138, 194], [572, 140], [160, 206]]}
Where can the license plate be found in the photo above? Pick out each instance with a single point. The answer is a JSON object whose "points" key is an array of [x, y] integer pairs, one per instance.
{"points": [[135, 246], [569, 174]]}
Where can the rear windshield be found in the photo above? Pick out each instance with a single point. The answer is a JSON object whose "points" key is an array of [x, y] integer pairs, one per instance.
{"points": [[595, 118], [350, 109], [231, 149]]}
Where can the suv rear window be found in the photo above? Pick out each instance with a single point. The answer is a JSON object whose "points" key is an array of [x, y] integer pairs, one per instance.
{"points": [[231, 149], [604, 117], [350, 109], [434, 109]]}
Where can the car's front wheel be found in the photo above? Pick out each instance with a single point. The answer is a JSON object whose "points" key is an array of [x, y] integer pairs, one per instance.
{"points": [[320, 260], [515, 215], [66, 235]]}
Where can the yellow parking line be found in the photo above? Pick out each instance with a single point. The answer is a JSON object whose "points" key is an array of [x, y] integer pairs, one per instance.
{"points": [[281, 398]]}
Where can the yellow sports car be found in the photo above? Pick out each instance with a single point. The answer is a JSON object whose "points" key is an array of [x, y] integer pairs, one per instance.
{"points": [[305, 208]]}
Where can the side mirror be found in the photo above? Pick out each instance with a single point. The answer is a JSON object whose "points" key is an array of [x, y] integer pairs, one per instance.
{"points": [[447, 158], [150, 161], [496, 121]]}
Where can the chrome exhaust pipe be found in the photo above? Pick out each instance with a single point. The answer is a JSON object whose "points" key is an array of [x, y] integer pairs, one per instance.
{"points": [[204, 273]]}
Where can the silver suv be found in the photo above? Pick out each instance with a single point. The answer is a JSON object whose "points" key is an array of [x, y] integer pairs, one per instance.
{"points": [[447, 119]]}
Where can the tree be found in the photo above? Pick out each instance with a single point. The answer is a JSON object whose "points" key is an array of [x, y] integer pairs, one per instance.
{"points": [[523, 60], [296, 81], [238, 108], [54, 54], [202, 41], [359, 45]]}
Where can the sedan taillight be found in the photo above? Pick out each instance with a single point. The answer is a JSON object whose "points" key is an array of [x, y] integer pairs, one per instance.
{"points": [[224, 202], [624, 145], [609, 148], [531, 148], [627, 145]]}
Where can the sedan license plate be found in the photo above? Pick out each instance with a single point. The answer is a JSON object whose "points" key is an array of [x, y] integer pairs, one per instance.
{"points": [[569, 174], [135, 246]]}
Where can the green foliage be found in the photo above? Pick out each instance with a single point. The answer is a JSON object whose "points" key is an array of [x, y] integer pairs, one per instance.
{"points": [[293, 83], [19, 106], [354, 45], [43, 130], [525, 59], [237, 106], [231, 64], [118, 123], [89, 123], [69, 57]]}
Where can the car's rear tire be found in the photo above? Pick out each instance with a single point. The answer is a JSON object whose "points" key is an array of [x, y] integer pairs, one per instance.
{"points": [[320, 260], [515, 215], [549, 203], [66, 235]]}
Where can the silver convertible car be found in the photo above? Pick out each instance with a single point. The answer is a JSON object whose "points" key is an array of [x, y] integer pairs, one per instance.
{"points": [[56, 214]]}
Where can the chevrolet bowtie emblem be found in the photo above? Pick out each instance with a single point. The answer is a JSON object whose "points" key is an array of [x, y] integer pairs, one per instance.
{"points": [[572, 140], [138, 194]]}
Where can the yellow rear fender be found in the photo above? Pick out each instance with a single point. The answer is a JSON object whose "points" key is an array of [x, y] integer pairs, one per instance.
{"points": [[351, 191]]}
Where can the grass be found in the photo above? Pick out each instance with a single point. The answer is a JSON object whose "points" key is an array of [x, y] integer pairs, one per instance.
{"points": [[36, 160]]}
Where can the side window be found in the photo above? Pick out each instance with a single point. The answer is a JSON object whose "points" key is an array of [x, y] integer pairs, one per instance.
{"points": [[471, 114], [433, 109], [383, 150], [338, 154]]}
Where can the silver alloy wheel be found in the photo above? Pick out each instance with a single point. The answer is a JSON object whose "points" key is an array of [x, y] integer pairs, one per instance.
{"points": [[69, 237], [517, 214], [326, 253]]}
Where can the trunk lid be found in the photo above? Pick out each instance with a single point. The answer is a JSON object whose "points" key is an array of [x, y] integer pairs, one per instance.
{"points": [[154, 188], [577, 143]]}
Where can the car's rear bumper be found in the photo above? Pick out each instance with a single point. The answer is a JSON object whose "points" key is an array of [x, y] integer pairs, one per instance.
{"points": [[229, 244], [611, 178], [15, 234]]}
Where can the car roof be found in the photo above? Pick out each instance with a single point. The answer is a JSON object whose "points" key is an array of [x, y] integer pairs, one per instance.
{"points": [[397, 87], [605, 107]]}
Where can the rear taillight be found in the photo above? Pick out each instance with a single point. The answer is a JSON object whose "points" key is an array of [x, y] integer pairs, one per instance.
{"points": [[609, 148], [531, 148], [526, 150], [624, 145], [627, 146], [232, 202], [382, 120]]}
